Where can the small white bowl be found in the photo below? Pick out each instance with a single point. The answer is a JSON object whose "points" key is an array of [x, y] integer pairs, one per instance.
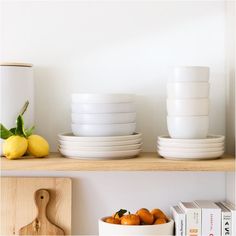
{"points": [[103, 130], [188, 107], [107, 229], [190, 74], [101, 98], [108, 118], [93, 108], [180, 90], [188, 127]]}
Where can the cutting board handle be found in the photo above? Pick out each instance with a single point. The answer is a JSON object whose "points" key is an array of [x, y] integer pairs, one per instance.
{"points": [[42, 198]]}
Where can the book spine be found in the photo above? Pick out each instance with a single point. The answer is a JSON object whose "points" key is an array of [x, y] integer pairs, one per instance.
{"points": [[179, 223], [193, 222], [226, 224]]}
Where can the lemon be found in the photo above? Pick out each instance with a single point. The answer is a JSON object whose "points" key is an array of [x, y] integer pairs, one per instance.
{"points": [[37, 146], [15, 147]]}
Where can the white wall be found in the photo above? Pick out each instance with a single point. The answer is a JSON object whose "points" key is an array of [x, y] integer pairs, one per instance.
{"points": [[118, 46]]}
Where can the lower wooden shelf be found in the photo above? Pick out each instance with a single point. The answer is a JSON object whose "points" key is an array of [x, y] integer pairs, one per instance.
{"points": [[148, 161]]}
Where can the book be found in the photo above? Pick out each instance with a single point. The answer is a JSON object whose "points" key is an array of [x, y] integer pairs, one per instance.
{"points": [[193, 218], [232, 209], [225, 220], [179, 218], [211, 218]]}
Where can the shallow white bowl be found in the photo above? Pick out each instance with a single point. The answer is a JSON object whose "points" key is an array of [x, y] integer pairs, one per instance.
{"points": [[188, 127], [108, 155], [189, 145], [179, 90], [189, 150], [190, 155], [103, 130], [75, 144], [188, 107], [72, 138], [108, 118], [190, 74], [106, 229], [98, 149], [101, 98], [94, 108], [210, 139]]}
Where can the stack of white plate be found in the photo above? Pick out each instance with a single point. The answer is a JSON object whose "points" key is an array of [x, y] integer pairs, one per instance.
{"points": [[211, 147], [112, 147], [100, 115]]}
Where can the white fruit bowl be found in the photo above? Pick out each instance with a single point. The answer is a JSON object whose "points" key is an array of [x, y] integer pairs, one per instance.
{"points": [[103, 130], [108, 118], [107, 229]]}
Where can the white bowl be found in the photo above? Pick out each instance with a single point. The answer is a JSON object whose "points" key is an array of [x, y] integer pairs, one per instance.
{"points": [[103, 130], [102, 155], [76, 144], [94, 108], [188, 107], [210, 139], [108, 118], [188, 127], [106, 229], [101, 98], [72, 138], [190, 74], [180, 90], [99, 149]]}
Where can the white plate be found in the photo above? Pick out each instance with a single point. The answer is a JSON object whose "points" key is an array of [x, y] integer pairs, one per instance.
{"points": [[108, 118], [190, 156], [100, 155], [189, 145], [103, 130], [99, 149], [101, 98], [73, 144], [209, 139], [192, 150], [101, 108], [71, 137]]}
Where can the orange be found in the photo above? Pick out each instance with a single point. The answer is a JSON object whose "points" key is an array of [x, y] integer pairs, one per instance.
{"points": [[157, 213], [130, 219], [160, 221], [112, 220], [145, 216]]}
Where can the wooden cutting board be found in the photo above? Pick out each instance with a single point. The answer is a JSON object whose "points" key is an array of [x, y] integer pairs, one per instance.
{"points": [[18, 207]]}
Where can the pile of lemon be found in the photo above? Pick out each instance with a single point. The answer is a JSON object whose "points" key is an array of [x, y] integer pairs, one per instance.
{"points": [[20, 141]]}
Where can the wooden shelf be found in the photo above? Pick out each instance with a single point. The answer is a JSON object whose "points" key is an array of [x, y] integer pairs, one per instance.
{"points": [[145, 162]]}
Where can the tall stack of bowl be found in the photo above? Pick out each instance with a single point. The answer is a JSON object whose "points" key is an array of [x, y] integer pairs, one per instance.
{"points": [[103, 127], [188, 117]]}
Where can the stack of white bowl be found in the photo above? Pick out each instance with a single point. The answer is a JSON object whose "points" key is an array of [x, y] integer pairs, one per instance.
{"points": [[188, 114], [103, 126]]}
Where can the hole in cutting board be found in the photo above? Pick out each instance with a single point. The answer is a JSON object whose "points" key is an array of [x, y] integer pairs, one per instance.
{"points": [[41, 197]]}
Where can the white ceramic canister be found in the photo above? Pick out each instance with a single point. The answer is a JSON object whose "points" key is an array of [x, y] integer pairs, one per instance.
{"points": [[17, 86]]}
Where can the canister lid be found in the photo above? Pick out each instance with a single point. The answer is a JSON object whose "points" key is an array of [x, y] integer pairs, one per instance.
{"points": [[20, 64]]}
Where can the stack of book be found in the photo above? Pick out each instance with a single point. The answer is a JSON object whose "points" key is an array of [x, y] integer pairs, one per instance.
{"points": [[204, 218]]}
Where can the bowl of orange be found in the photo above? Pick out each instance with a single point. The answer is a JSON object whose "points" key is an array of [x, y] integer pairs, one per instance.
{"points": [[141, 223]]}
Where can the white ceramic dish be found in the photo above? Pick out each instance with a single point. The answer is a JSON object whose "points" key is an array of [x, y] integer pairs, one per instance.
{"points": [[103, 130], [188, 107], [93, 108], [72, 138], [75, 144], [102, 149], [208, 140], [100, 155], [101, 98], [106, 229], [189, 150], [188, 127], [108, 118], [190, 155], [179, 90], [167, 144], [190, 74]]}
